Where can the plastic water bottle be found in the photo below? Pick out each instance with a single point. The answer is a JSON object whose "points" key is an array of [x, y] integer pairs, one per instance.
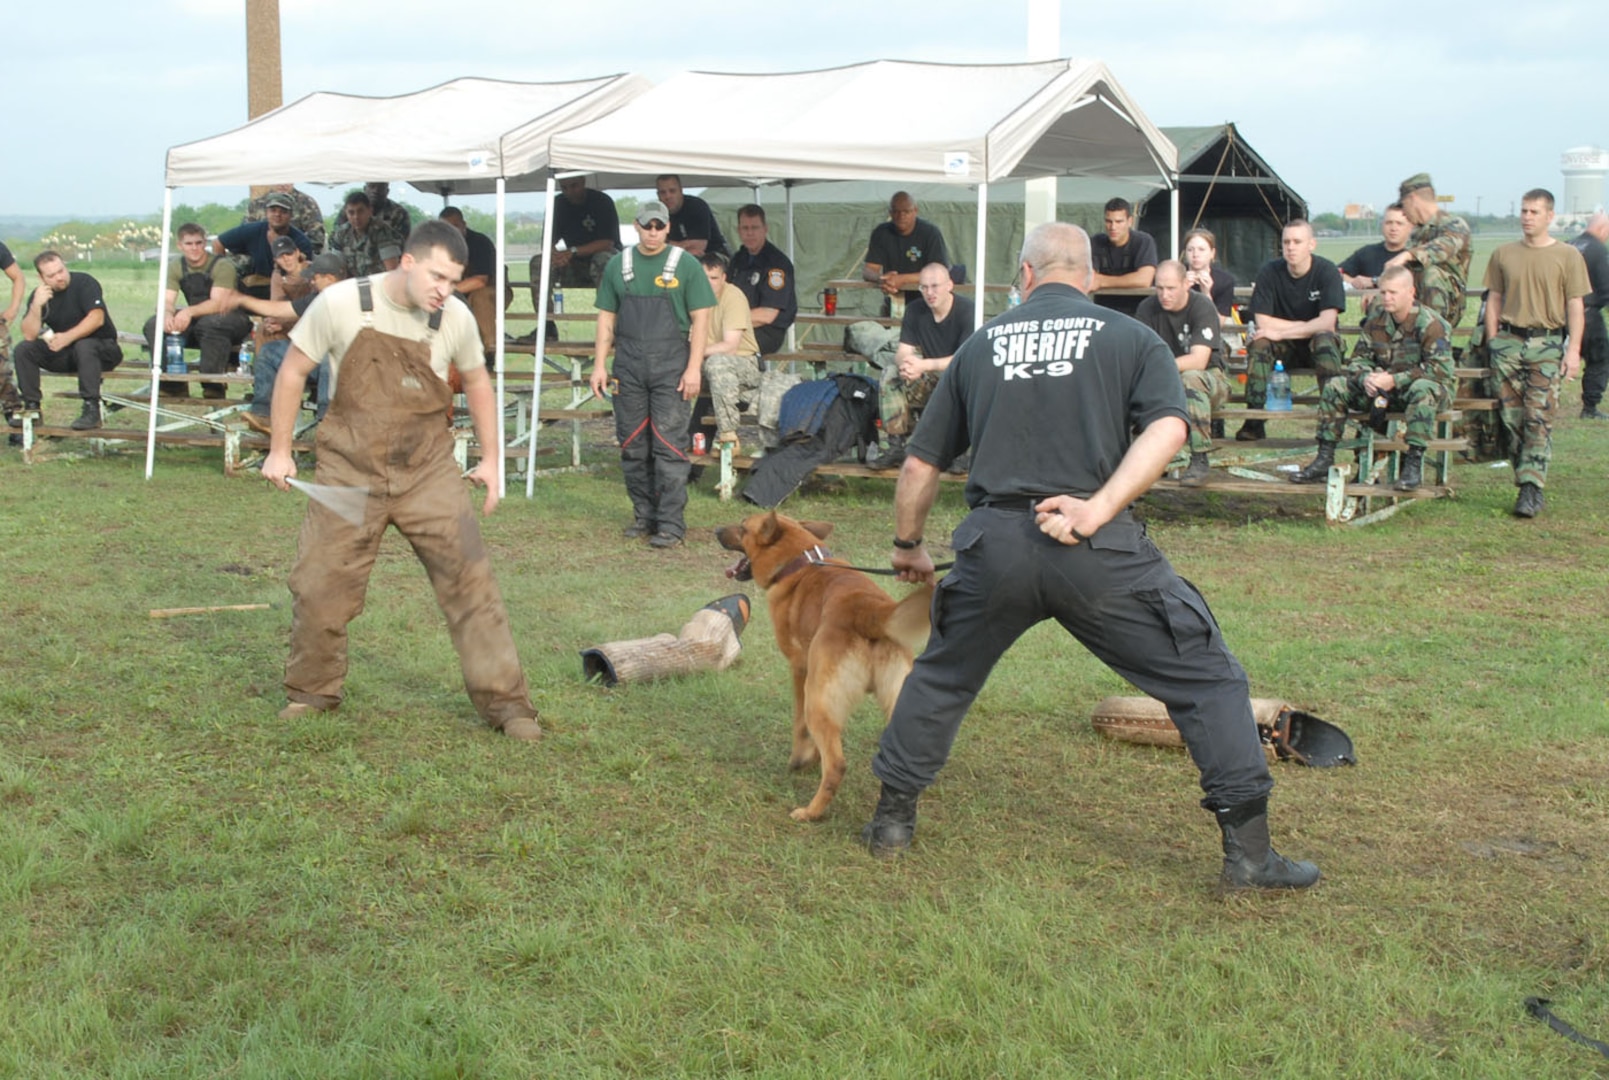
{"points": [[558, 299], [173, 353], [247, 353], [1279, 389], [1014, 297]]}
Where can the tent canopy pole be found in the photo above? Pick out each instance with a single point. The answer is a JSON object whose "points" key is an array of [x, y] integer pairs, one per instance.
{"points": [[157, 331]]}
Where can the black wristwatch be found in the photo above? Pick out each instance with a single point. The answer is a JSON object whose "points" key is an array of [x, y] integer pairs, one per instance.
{"points": [[907, 545]]}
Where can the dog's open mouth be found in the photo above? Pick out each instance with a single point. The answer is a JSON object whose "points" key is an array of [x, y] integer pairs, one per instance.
{"points": [[740, 571]]}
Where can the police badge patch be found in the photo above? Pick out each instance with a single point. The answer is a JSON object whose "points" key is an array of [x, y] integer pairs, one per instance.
{"points": [[776, 279]]}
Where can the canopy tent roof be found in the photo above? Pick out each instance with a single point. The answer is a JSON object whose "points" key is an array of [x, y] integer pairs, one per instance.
{"points": [[973, 123], [459, 136]]}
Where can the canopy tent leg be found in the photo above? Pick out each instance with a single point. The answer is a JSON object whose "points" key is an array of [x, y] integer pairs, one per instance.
{"points": [[978, 273], [157, 330], [541, 335], [1173, 218], [787, 194], [497, 306]]}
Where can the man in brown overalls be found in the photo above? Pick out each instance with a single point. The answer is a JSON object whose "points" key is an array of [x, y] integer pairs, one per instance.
{"points": [[391, 339]]}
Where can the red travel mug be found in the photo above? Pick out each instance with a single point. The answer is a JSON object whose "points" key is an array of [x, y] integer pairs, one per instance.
{"points": [[829, 301]]}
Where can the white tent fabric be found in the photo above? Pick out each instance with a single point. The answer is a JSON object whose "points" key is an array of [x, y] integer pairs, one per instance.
{"points": [[465, 134], [884, 120]]}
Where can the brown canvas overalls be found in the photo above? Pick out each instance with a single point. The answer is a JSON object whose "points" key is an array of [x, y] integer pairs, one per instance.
{"points": [[386, 431]]}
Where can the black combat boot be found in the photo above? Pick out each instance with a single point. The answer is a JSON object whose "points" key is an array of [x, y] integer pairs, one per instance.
{"points": [[1412, 473], [1318, 469], [1590, 412], [1251, 431], [89, 417], [888, 834], [1250, 861], [1529, 503], [1196, 475], [894, 456], [14, 417]]}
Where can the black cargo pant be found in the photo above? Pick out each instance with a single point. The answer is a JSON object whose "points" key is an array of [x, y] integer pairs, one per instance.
{"points": [[1118, 595], [89, 357]]}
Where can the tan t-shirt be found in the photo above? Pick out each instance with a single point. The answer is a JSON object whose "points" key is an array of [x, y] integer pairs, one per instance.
{"points": [[732, 312], [1536, 282], [335, 319]]}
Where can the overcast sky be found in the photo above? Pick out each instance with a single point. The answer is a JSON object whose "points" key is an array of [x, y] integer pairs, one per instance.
{"points": [[1343, 99]]}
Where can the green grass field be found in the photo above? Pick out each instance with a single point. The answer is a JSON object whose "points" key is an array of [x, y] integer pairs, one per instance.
{"points": [[190, 887]]}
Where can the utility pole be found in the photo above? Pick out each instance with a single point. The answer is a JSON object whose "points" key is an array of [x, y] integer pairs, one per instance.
{"points": [[264, 92]]}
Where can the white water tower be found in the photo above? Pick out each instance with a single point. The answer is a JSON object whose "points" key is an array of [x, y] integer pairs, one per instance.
{"points": [[1584, 168]]}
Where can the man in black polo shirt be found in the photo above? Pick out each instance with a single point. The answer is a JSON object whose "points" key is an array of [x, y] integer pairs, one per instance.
{"points": [[1189, 324], [900, 247], [765, 276], [692, 222], [10, 399], [1594, 338], [66, 329], [1363, 267], [1071, 412], [1296, 302], [1125, 258], [478, 288], [934, 326], [586, 221]]}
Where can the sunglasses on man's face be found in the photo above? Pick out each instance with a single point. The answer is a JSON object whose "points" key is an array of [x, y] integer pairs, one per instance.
{"points": [[655, 226]]}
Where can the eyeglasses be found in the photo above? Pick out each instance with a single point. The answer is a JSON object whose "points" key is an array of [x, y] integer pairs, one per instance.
{"points": [[654, 226]]}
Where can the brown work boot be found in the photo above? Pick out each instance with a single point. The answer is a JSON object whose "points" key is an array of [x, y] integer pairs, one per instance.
{"points": [[257, 423], [298, 709], [524, 728]]}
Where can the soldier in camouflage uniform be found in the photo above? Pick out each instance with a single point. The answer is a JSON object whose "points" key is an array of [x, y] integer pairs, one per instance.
{"points": [[1404, 355], [388, 211], [305, 212], [1438, 252], [1535, 314], [10, 398], [367, 246]]}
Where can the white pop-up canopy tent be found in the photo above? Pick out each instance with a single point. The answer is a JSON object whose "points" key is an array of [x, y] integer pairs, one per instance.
{"points": [[465, 135], [899, 121]]}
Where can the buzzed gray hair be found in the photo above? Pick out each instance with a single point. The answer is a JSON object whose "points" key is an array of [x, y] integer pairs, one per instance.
{"points": [[1056, 246], [1173, 265]]}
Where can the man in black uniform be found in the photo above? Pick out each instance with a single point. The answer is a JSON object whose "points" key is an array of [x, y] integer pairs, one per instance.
{"points": [[1048, 396], [66, 328], [1296, 302], [765, 276], [1363, 267], [692, 222], [900, 247], [1594, 338], [1124, 257]]}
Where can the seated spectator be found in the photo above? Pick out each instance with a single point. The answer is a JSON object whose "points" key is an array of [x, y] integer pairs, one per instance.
{"points": [[1204, 275], [731, 354], [1123, 258], [1296, 302], [10, 399], [279, 315], [255, 240], [204, 279], [367, 246], [306, 214], [387, 211], [586, 223], [1189, 325], [899, 248], [1438, 251], [765, 276], [478, 288], [66, 329], [692, 222], [1404, 356], [934, 326], [1363, 267]]}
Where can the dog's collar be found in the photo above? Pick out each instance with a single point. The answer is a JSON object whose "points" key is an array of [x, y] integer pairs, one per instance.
{"points": [[814, 556]]}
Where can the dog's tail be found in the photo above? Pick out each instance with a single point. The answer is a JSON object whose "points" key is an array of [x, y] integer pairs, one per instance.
{"points": [[911, 620]]}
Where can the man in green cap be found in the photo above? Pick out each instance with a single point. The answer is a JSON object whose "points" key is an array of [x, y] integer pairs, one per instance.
{"points": [[1438, 251]]}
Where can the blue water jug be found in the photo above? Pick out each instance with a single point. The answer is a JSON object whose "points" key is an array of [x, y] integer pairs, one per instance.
{"points": [[1279, 389], [173, 351]]}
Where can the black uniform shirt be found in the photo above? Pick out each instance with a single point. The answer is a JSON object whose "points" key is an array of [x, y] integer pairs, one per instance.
{"points": [[1109, 259], [482, 255], [934, 338], [1368, 261], [1597, 257], [906, 254], [766, 280], [1300, 299], [1181, 331], [696, 221], [68, 308], [1049, 396], [595, 219]]}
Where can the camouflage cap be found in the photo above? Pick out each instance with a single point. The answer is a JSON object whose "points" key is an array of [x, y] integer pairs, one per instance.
{"points": [[279, 199], [1414, 183]]}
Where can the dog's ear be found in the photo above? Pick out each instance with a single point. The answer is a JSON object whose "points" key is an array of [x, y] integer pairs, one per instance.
{"points": [[819, 529], [768, 529]]}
